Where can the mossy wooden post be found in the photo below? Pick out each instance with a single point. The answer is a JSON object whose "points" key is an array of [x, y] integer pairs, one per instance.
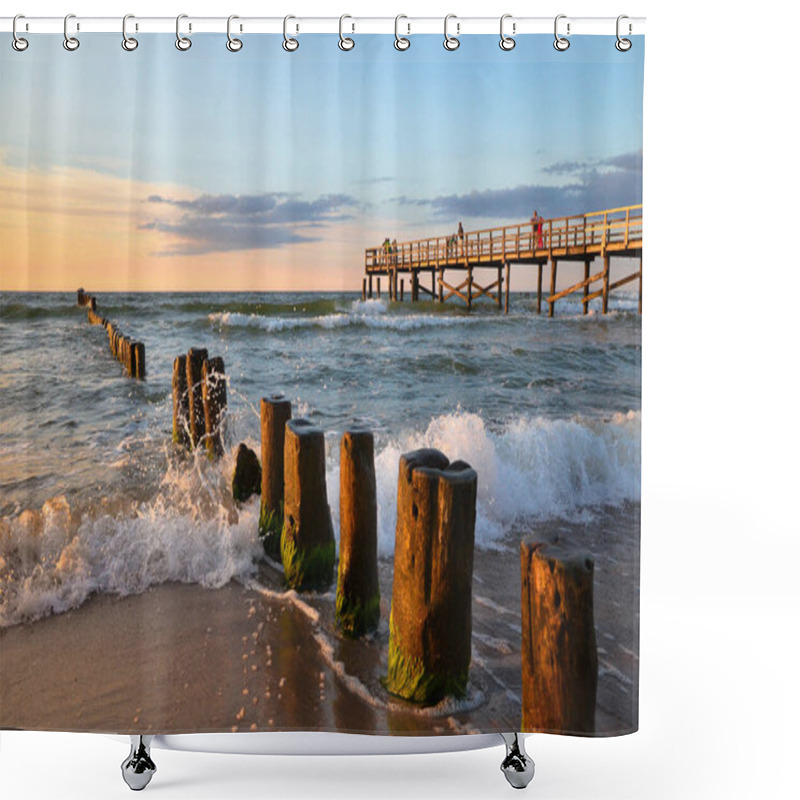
{"points": [[138, 359], [215, 404], [430, 628], [194, 385], [308, 548], [276, 411], [358, 599], [180, 403], [559, 649]]}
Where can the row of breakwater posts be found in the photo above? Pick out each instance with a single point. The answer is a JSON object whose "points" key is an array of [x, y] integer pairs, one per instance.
{"points": [[129, 352], [613, 232], [430, 626]]}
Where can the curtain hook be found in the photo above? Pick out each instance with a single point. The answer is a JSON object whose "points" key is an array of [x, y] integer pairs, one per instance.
{"points": [[400, 42], [507, 42], [128, 42], [451, 42], [345, 42], [289, 44], [561, 43], [623, 45], [181, 42], [233, 44], [70, 42], [18, 43]]}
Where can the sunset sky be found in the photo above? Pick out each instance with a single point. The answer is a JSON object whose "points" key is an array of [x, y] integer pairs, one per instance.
{"points": [[205, 169]]}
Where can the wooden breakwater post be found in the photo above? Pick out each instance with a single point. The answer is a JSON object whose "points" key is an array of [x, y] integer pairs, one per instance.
{"points": [[180, 403], [246, 474], [194, 386], [139, 360], [308, 549], [276, 411], [559, 648], [358, 598], [215, 403], [430, 628]]}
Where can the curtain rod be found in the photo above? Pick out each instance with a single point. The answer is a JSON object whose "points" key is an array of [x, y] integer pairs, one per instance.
{"points": [[406, 25]]}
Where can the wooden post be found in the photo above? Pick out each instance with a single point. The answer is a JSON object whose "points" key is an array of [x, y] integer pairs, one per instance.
{"points": [[80, 296], [139, 359], [469, 288], [539, 292], [559, 649], [640, 285], [308, 549], [379, 287], [180, 402], [553, 275], [358, 599], [606, 276], [430, 628], [276, 411], [433, 284], [441, 288], [194, 385], [500, 286], [215, 404], [586, 265], [363, 289], [403, 290], [508, 284], [370, 287], [246, 474]]}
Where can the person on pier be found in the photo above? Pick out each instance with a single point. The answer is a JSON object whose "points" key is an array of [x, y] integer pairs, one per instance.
{"points": [[461, 237]]}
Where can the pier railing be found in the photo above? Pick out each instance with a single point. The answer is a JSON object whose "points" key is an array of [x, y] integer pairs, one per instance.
{"points": [[617, 229]]}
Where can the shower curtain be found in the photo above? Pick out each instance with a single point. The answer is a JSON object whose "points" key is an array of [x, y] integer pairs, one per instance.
{"points": [[320, 379]]}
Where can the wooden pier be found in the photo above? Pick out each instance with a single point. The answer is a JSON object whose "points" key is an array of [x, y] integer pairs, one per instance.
{"points": [[583, 237]]}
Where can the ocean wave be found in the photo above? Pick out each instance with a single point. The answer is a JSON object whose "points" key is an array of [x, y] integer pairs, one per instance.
{"points": [[532, 468]]}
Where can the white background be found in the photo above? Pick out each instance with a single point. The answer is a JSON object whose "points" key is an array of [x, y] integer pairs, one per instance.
{"points": [[720, 555]]}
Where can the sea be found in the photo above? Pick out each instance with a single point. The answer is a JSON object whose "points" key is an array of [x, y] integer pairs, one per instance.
{"points": [[95, 497]]}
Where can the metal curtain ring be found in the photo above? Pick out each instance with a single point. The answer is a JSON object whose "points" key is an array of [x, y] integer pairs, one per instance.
{"points": [[233, 44], [623, 45], [507, 42], [181, 42], [289, 44], [560, 43], [128, 42], [451, 42], [345, 43], [18, 43], [400, 42], [70, 42]]}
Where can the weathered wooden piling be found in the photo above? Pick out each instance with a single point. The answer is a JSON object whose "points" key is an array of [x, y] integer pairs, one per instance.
{"points": [[215, 404], [246, 474], [276, 411], [180, 403], [553, 276], [358, 599], [194, 384], [80, 296], [363, 290], [403, 289], [379, 288], [559, 649], [430, 627], [308, 548], [140, 369]]}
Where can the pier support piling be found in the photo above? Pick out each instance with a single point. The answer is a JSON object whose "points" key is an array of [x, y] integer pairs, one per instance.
{"points": [[431, 620], [276, 411], [308, 548], [357, 593], [539, 290], [559, 649], [606, 277], [553, 276], [586, 265]]}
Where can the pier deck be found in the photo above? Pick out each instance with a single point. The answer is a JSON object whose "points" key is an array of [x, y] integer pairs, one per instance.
{"points": [[583, 237]]}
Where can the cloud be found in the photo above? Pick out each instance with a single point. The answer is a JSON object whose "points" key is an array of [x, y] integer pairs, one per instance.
{"points": [[587, 186], [224, 223]]}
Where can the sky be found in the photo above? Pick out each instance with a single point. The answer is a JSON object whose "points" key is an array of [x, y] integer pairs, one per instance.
{"points": [[209, 170]]}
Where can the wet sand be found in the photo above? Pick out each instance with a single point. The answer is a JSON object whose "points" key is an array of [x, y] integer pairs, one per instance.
{"points": [[180, 658]]}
